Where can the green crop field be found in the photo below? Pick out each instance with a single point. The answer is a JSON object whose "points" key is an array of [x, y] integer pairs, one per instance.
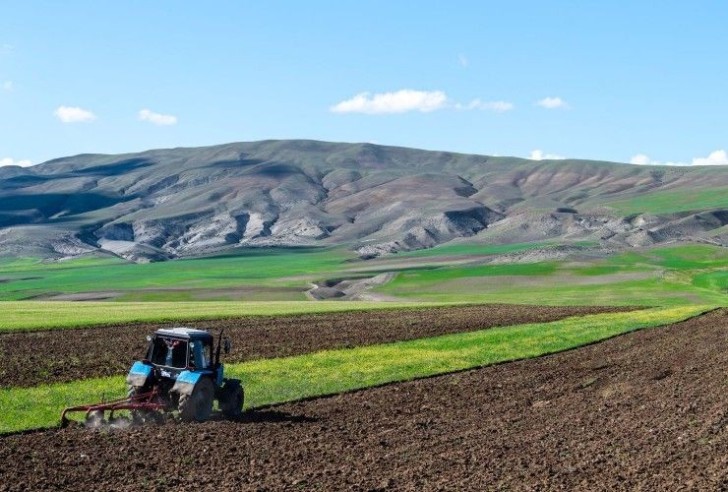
{"points": [[460, 272], [673, 275], [284, 272], [36, 315], [272, 381]]}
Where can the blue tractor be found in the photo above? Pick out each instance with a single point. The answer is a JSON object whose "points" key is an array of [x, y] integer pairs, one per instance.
{"points": [[181, 371]]}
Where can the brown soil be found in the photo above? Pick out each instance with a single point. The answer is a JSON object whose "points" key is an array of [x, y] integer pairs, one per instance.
{"points": [[30, 359], [644, 411]]}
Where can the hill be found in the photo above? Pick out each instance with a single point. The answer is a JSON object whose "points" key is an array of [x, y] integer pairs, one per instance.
{"points": [[169, 203]]}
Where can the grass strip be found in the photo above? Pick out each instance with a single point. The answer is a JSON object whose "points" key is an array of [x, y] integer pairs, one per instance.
{"points": [[42, 315], [271, 381], [279, 380]]}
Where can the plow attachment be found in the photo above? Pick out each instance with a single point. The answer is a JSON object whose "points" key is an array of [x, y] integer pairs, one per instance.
{"points": [[96, 413]]}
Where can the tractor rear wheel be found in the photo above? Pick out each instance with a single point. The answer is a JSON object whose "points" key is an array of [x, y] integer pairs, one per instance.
{"points": [[197, 406], [231, 399]]}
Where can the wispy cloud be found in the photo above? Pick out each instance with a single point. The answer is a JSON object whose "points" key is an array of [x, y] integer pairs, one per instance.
{"points": [[73, 114], [495, 106], [7, 161], [407, 100], [6, 49], [540, 155], [401, 101], [463, 60], [157, 118], [8, 85], [715, 158], [552, 103]]}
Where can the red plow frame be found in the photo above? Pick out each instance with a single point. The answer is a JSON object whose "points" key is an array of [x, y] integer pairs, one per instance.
{"points": [[144, 402]]}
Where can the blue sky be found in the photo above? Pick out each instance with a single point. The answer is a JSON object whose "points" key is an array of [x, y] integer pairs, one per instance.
{"points": [[620, 81]]}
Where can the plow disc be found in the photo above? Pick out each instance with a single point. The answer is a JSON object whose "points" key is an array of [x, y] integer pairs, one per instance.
{"points": [[96, 412]]}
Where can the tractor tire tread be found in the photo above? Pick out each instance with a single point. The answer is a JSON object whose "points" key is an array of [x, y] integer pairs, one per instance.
{"points": [[197, 406]]}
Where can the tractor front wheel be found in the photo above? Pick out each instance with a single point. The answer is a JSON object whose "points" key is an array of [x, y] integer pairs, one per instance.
{"points": [[197, 406]]}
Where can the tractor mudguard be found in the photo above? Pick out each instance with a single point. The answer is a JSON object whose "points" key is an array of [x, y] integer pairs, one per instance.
{"points": [[138, 374], [186, 382]]}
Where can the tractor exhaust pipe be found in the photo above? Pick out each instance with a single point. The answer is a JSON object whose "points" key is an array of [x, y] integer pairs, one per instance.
{"points": [[219, 345]]}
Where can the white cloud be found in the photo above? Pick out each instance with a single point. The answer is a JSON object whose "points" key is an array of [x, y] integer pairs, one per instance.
{"points": [[463, 60], [552, 103], [410, 100], [496, 106], [7, 161], [393, 102], [7, 85], [717, 158], [642, 160], [157, 118], [71, 114], [539, 155], [645, 160]]}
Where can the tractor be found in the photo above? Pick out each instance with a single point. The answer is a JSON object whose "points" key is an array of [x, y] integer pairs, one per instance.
{"points": [[180, 371]]}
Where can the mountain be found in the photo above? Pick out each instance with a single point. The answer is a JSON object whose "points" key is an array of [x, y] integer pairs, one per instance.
{"points": [[163, 204]]}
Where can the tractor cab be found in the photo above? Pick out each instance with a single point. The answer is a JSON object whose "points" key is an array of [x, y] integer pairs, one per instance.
{"points": [[177, 349]]}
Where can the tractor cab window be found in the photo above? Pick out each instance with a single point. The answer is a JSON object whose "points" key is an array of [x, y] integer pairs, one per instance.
{"points": [[169, 352], [200, 354]]}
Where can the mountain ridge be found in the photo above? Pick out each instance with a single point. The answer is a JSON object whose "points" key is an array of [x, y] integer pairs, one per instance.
{"points": [[187, 201]]}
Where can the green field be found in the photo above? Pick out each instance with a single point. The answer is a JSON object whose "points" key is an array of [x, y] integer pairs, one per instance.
{"points": [[250, 274], [471, 249], [673, 275], [329, 372], [36, 315], [458, 272], [665, 202]]}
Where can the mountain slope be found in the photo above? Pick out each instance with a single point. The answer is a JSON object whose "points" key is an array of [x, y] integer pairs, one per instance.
{"points": [[168, 203]]}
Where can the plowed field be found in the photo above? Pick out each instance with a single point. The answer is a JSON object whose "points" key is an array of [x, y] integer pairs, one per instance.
{"points": [[644, 411], [30, 359]]}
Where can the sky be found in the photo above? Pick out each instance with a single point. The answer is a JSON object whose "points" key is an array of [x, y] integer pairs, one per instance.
{"points": [[626, 81]]}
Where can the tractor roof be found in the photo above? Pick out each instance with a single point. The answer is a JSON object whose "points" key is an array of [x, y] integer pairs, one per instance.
{"points": [[183, 332]]}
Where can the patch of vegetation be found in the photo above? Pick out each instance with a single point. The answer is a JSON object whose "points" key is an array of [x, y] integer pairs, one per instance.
{"points": [[36, 315], [420, 277], [665, 276], [257, 267], [682, 274], [41, 406], [564, 291], [691, 256], [473, 249], [334, 371], [665, 202], [713, 281]]}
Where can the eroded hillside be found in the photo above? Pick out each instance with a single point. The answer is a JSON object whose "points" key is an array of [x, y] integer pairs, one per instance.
{"points": [[163, 204]]}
